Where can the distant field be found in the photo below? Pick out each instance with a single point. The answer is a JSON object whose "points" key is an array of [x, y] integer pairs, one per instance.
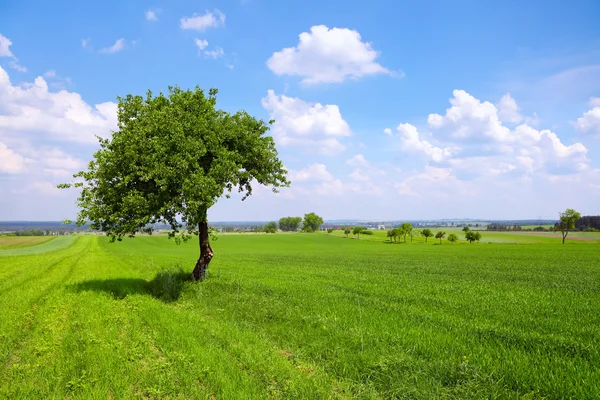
{"points": [[13, 242], [308, 316]]}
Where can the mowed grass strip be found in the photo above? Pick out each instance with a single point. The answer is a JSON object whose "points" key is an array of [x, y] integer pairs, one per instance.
{"points": [[301, 316], [13, 242]]}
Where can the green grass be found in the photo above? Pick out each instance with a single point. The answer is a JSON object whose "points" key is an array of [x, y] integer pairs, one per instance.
{"points": [[302, 316], [14, 242]]}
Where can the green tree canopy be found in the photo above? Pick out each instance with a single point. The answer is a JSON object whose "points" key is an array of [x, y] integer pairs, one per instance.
{"points": [[271, 227], [473, 236], [406, 230], [452, 238], [440, 235], [347, 230], [566, 222], [171, 159], [357, 230], [311, 222], [426, 233], [289, 224]]}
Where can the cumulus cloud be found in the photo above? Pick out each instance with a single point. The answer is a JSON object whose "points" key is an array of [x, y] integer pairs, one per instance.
{"points": [[151, 15], [326, 55], [115, 48], [200, 43], [10, 161], [203, 22], [590, 121], [475, 142], [313, 172], [214, 54], [313, 126], [5, 44], [32, 109], [411, 142]]}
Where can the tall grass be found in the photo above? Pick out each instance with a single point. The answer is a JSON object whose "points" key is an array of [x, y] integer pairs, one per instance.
{"points": [[301, 316]]}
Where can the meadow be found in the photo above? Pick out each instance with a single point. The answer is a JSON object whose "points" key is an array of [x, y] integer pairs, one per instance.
{"points": [[307, 316]]}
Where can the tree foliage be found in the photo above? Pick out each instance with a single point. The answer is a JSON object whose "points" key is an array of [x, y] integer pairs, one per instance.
{"points": [[311, 222], [473, 236], [347, 231], [566, 222], [329, 231], [466, 229], [289, 224], [426, 233], [171, 159], [271, 227], [452, 238], [406, 229], [357, 230], [440, 235]]}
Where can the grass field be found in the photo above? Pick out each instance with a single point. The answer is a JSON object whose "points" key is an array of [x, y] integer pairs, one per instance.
{"points": [[14, 242], [306, 316]]}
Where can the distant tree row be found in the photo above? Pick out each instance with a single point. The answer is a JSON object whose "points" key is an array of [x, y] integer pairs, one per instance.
{"points": [[38, 232]]}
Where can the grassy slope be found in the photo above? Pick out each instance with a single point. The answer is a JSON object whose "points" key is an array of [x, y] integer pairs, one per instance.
{"points": [[303, 316], [13, 242]]}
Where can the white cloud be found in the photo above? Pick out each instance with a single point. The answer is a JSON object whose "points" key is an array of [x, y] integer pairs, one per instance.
{"points": [[508, 111], [214, 54], [590, 121], [313, 172], [326, 55], [85, 42], [151, 15], [475, 143], [203, 22], [200, 43], [63, 115], [388, 131], [358, 160], [10, 161], [5, 44], [412, 142], [115, 48], [310, 125], [50, 74]]}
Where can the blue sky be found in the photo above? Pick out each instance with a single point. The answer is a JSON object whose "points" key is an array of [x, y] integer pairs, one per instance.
{"points": [[384, 109]]}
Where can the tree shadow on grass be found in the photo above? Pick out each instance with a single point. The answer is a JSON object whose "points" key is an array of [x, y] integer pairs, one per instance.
{"points": [[165, 286]]}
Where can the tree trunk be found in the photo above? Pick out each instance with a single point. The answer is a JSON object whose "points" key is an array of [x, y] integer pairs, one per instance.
{"points": [[564, 235], [206, 252]]}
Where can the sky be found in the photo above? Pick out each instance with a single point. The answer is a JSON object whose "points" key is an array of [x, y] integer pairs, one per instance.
{"points": [[384, 110]]}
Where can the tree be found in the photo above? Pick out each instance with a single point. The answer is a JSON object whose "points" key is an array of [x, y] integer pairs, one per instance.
{"points": [[452, 238], [347, 231], [566, 222], [171, 159], [473, 236], [391, 234], [440, 235], [416, 232], [357, 230], [289, 224], [426, 233], [466, 229], [406, 229], [329, 230], [271, 227], [311, 222]]}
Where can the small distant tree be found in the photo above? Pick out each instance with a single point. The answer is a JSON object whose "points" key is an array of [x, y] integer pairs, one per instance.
{"points": [[271, 227], [406, 230], [347, 231], [311, 222], [473, 236], [329, 230], [566, 222], [390, 234], [452, 238], [426, 233], [357, 231], [440, 235], [289, 224], [466, 229]]}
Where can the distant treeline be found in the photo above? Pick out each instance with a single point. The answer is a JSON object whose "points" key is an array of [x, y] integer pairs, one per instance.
{"points": [[37, 232], [589, 223]]}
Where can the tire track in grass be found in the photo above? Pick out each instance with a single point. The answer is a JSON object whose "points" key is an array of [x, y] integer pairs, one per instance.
{"points": [[9, 346]]}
